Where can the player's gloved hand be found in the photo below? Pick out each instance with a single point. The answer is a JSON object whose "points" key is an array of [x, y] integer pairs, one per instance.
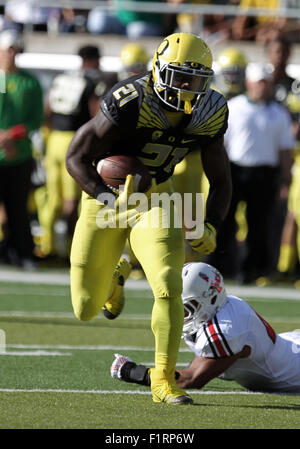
{"points": [[118, 363], [208, 242], [124, 193], [130, 188]]}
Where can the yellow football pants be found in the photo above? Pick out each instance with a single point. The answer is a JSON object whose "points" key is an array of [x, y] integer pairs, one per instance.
{"points": [[60, 186], [95, 253], [189, 177]]}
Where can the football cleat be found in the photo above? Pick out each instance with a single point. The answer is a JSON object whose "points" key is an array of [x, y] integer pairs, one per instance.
{"points": [[170, 393], [118, 363], [114, 305]]}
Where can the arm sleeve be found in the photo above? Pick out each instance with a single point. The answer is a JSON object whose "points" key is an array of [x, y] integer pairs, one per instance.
{"points": [[133, 373], [120, 106], [217, 341]]}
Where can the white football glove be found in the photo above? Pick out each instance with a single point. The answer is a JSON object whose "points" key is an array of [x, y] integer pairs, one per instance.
{"points": [[118, 363]]}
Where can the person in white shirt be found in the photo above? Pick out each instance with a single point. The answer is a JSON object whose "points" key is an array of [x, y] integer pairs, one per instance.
{"points": [[229, 339], [259, 143]]}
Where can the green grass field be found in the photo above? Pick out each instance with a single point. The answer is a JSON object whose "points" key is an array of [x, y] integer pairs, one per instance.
{"points": [[54, 370]]}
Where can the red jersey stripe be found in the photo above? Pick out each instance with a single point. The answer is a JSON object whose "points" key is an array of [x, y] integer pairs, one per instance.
{"points": [[215, 338]]}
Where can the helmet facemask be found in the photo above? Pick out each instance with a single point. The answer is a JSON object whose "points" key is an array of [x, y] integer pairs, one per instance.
{"points": [[203, 295], [234, 79], [230, 72], [170, 79]]}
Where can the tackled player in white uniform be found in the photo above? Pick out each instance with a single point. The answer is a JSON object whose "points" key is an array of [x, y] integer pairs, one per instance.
{"points": [[229, 338]]}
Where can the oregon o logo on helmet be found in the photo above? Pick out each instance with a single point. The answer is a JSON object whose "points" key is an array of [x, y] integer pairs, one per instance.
{"points": [[2, 82], [165, 211]]}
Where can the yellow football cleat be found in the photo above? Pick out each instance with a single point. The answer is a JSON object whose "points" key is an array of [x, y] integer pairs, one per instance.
{"points": [[169, 392], [114, 305]]}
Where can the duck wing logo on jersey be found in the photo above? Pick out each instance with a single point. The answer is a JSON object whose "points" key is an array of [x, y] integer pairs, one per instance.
{"points": [[211, 116], [150, 114]]}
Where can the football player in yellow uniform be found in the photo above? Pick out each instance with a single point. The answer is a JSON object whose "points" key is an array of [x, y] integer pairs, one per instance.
{"points": [[230, 72], [159, 117], [134, 59]]}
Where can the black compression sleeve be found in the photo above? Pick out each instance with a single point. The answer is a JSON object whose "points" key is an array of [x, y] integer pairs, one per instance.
{"points": [[139, 374]]}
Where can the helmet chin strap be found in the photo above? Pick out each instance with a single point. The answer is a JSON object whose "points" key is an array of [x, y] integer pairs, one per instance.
{"points": [[187, 99]]}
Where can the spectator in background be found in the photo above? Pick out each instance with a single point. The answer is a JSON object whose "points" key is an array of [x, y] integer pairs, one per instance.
{"points": [[212, 27], [259, 144], [21, 112], [25, 13], [260, 28], [278, 52], [67, 21], [73, 99], [286, 92], [133, 24]]}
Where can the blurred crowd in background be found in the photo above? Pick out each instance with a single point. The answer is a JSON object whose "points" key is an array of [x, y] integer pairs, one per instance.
{"points": [[39, 201], [25, 14]]}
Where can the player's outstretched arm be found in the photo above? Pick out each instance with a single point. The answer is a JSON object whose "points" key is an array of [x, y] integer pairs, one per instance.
{"points": [[91, 142], [217, 169], [202, 370], [123, 368]]}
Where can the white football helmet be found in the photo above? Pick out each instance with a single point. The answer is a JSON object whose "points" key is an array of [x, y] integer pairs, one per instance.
{"points": [[203, 295]]}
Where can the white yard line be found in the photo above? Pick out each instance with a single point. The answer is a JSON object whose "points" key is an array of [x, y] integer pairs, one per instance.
{"points": [[85, 347], [134, 392], [35, 353]]}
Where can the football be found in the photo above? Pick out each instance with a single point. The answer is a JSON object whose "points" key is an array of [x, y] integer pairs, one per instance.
{"points": [[114, 169]]}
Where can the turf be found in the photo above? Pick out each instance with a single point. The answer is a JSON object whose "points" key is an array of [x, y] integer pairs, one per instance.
{"points": [[54, 373]]}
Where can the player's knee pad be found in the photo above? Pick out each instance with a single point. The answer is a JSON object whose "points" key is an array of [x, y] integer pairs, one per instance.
{"points": [[169, 283], [84, 308]]}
